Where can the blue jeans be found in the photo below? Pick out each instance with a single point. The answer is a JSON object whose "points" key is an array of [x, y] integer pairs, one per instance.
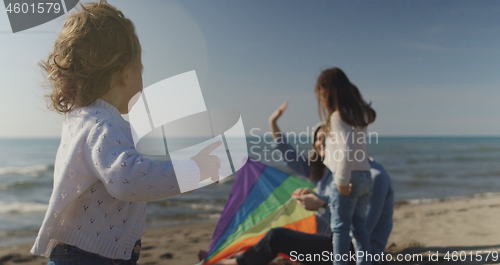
{"points": [[381, 209], [349, 214], [69, 255]]}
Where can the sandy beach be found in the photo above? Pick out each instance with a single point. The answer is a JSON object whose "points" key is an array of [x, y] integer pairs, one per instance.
{"points": [[450, 224], [465, 225]]}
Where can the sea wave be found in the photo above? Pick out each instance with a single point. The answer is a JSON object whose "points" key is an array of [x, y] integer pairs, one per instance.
{"points": [[12, 235], [208, 216], [34, 171], [206, 207], [477, 149], [197, 205], [25, 185], [444, 199], [22, 207]]}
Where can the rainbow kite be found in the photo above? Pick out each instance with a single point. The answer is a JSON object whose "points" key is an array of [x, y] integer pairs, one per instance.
{"points": [[259, 201]]}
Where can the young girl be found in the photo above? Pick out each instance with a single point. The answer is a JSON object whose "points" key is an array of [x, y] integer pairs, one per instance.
{"points": [[97, 209], [347, 116]]}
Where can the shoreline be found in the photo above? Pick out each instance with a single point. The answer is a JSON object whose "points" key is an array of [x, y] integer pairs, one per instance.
{"points": [[422, 226], [419, 201]]}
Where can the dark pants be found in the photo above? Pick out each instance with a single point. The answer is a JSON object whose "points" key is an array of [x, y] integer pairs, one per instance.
{"points": [[294, 244], [69, 255]]}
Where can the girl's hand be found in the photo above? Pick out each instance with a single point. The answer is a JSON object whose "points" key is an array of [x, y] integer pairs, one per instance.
{"points": [[345, 190], [309, 201], [277, 113], [209, 165]]}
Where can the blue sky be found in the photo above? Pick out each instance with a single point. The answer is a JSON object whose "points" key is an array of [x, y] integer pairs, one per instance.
{"points": [[428, 67]]}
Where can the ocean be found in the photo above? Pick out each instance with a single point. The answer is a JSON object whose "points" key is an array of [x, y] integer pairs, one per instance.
{"points": [[421, 168]]}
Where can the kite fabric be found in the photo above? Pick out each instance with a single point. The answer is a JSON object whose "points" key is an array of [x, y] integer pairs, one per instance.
{"points": [[259, 201]]}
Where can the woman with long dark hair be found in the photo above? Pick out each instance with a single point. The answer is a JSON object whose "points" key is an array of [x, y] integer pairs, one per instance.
{"points": [[347, 116]]}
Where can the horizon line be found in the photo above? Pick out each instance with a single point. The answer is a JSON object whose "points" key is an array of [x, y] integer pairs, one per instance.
{"points": [[268, 136]]}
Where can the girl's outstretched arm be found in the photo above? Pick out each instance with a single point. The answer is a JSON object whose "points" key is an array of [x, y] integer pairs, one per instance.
{"points": [[127, 174]]}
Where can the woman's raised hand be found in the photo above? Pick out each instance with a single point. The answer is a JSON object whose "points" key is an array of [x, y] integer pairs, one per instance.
{"points": [[274, 118], [277, 113]]}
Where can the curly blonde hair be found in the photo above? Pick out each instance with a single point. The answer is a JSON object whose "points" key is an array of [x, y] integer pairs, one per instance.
{"points": [[96, 42]]}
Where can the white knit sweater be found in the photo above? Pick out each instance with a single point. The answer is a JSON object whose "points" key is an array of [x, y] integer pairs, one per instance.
{"points": [[102, 184], [345, 150]]}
